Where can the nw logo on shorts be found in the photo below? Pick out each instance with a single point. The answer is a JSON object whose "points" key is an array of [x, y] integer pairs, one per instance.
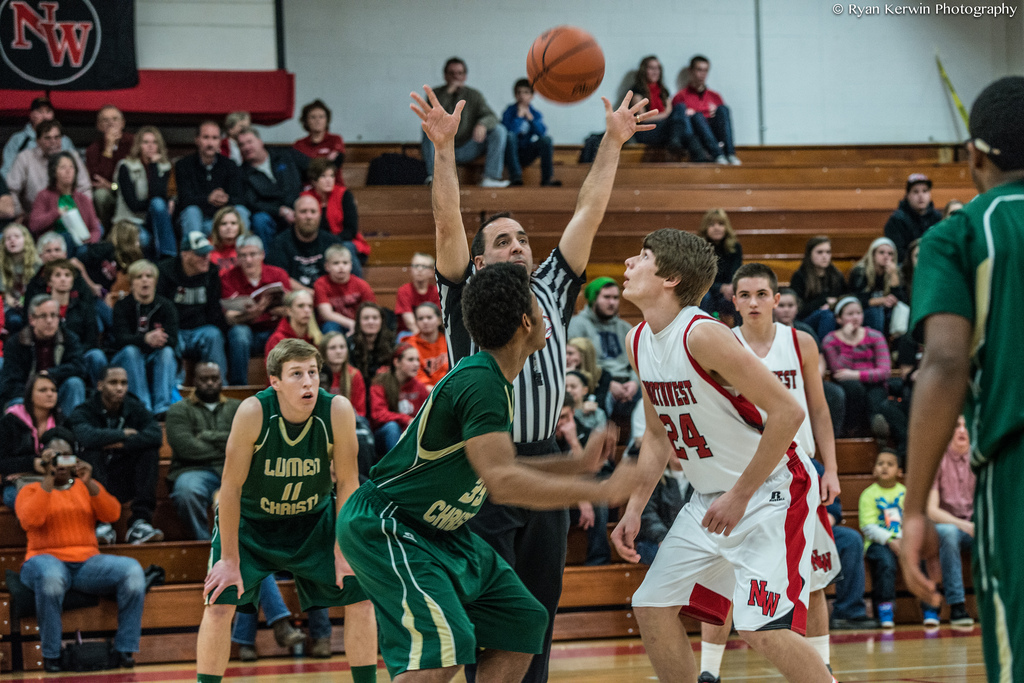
{"points": [[776, 497], [763, 598], [821, 562]]}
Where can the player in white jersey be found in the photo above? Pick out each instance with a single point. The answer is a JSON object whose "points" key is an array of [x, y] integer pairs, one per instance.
{"points": [[744, 536], [793, 357]]}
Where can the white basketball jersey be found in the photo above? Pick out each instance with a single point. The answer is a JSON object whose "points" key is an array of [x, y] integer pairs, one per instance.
{"points": [[785, 361], [713, 430]]}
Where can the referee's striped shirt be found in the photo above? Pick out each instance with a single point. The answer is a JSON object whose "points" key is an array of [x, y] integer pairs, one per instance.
{"points": [[540, 387]]}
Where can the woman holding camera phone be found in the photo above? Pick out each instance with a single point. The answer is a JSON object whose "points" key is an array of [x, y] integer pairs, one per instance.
{"points": [[20, 431]]}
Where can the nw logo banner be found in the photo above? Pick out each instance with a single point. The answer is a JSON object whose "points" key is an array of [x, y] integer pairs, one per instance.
{"points": [[67, 44]]}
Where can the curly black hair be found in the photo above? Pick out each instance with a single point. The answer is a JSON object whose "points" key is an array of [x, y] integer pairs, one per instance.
{"points": [[997, 118], [494, 303]]}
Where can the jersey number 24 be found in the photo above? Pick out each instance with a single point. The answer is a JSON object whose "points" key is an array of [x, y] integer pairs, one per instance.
{"points": [[691, 438]]}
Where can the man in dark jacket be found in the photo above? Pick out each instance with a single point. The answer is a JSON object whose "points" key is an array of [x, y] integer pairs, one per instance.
{"points": [[121, 440], [915, 214], [666, 501], [197, 430], [271, 184], [207, 181], [44, 346]]}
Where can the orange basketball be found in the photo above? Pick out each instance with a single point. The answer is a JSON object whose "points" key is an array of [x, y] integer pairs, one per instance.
{"points": [[565, 64]]}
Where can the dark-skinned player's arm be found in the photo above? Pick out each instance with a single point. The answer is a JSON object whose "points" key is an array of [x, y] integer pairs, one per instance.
{"points": [[716, 349], [821, 418], [588, 460], [346, 468], [245, 429], [493, 457], [592, 201], [939, 394], [655, 451], [440, 127]]}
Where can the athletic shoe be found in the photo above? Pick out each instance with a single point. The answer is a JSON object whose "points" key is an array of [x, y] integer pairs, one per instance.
{"points": [[853, 624], [105, 534], [931, 616], [491, 182], [885, 615], [321, 648], [554, 182], [734, 160], [429, 179], [247, 653], [958, 615], [722, 159], [708, 677], [143, 532], [287, 635], [124, 660]]}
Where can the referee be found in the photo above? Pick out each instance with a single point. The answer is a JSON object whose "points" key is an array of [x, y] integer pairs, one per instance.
{"points": [[532, 542]]}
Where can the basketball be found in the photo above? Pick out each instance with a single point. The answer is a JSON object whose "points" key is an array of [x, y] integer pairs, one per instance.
{"points": [[565, 64]]}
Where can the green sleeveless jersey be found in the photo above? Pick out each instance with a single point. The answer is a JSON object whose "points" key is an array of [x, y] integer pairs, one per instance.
{"points": [[290, 475], [427, 475]]}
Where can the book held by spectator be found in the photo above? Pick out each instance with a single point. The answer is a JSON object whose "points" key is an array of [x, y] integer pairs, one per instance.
{"points": [[273, 290]]}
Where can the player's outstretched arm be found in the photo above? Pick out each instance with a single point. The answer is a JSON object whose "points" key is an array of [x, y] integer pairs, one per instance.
{"points": [[440, 127], [620, 124], [717, 350], [587, 461], [245, 429], [821, 418]]}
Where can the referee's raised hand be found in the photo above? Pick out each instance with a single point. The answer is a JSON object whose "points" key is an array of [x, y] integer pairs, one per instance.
{"points": [[439, 125]]}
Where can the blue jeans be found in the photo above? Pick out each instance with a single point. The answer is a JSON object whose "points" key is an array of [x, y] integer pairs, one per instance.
{"points": [[158, 393], [874, 317], [101, 574], [884, 568], [206, 344], [95, 364], [849, 603], [952, 540], [520, 153], [158, 220], [822, 320], [10, 495], [192, 495], [274, 610], [386, 437], [244, 344], [70, 394], [191, 218], [647, 551], [266, 227], [493, 147], [714, 134], [659, 137], [104, 316]]}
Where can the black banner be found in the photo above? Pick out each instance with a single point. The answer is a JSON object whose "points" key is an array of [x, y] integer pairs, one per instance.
{"points": [[67, 44]]}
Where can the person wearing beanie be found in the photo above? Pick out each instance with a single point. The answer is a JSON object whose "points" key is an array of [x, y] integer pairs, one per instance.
{"points": [[915, 214], [877, 282]]}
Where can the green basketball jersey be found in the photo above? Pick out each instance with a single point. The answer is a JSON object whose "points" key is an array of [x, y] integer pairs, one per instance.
{"points": [[290, 475], [427, 474], [972, 265]]}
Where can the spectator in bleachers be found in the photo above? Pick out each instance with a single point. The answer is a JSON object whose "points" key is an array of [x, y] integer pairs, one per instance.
{"points": [[527, 137], [951, 206], [338, 376], [251, 326], [7, 212], [818, 284], [43, 346], [951, 507], [338, 213], [207, 182], [480, 132], [395, 398], [649, 82], [373, 342], [703, 116], [320, 143], [300, 251], [668, 498], [194, 289], [431, 344], [876, 282], [40, 110], [908, 266], [915, 214], [571, 437], [121, 440], [77, 314], [142, 192], [586, 411], [21, 427], [52, 247], [858, 358], [144, 339], [111, 145], [580, 354], [271, 182], [61, 207], [298, 322], [58, 515], [29, 174], [227, 228], [104, 267], [421, 288], [234, 124], [881, 517], [19, 262], [197, 432], [716, 228], [338, 293]]}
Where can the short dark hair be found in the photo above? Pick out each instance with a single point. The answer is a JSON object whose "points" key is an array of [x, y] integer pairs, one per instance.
{"points": [[699, 58], [45, 127], [789, 291], [455, 60], [431, 305], [315, 104], [60, 263], [756, 270], [997, 119], [494, 303], [59, 434], [317, 167], [522, 83], [479, 244], [113, 366], [893, 453], [207, 122], [249, 130]]}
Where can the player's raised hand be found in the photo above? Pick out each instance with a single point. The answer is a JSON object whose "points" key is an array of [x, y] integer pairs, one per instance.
{"points": [[624, 537], [725, 513], [221, 576], [621, 123], [341, 567], [439, 125], [921, 542]]}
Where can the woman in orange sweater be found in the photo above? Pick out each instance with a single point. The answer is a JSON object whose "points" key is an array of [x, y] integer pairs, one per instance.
{"points": [[59, 517]]}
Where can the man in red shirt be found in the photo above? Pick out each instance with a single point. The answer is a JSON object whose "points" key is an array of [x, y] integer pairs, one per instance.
{"points": [[705, 118], [338, 294], [422, 289], [251, 325]]}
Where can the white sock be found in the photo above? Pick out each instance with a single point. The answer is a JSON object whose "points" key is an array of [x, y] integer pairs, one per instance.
{"points": [[711, 657], [820, 645]]}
